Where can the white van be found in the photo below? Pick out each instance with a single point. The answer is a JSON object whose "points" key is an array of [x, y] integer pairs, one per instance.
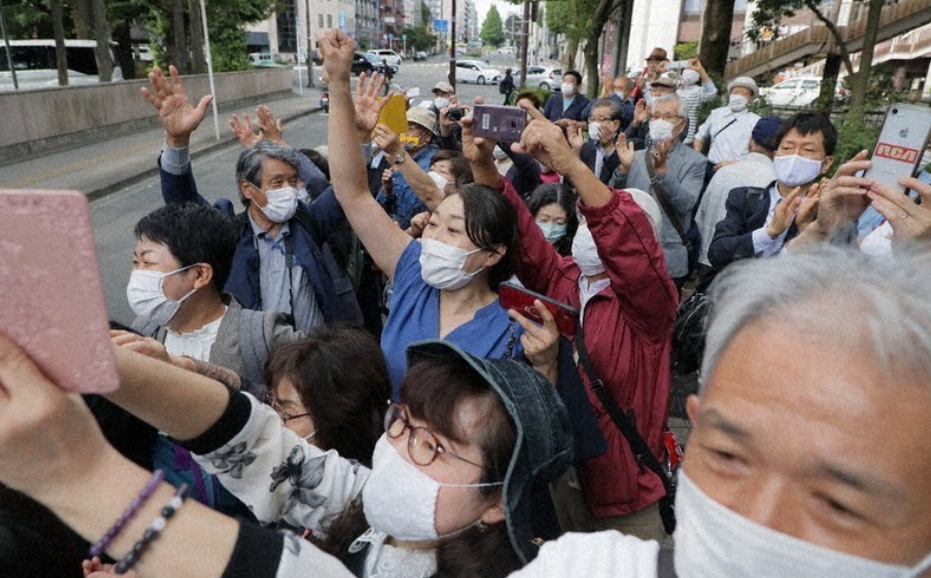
{"points": [[34, 62]]}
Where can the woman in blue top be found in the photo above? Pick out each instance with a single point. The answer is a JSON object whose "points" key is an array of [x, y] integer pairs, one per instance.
{"points": [[446, 285]]}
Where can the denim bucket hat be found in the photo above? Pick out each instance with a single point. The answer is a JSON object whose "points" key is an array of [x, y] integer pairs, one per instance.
{"points": [[543, 448]]}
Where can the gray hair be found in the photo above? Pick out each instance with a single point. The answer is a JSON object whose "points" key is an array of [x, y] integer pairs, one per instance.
{"points": [[614, 109], [673, 97], [249, 164], [875, 305]]}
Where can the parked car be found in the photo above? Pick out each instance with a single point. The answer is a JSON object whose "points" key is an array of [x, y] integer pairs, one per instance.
{"points": [[420, 56], [365, 62], [800, 91], [394, 59], [544, 77], [477, 72], [263, 60]]}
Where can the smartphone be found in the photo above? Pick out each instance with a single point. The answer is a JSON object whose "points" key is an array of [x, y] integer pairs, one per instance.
{"points": [[413, 91], [53, 302], [520, 299], [503, 123], [677, 65], [901, 144], [394, 114]]}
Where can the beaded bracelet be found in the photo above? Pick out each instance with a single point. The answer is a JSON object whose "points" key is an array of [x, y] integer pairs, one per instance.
{"points": [[152, 532], [101, 546]]}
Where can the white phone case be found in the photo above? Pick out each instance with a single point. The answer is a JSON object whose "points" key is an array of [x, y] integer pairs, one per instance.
{"points": [[901, 144]]}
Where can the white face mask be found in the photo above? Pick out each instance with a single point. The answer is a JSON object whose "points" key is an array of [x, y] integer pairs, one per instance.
{"points": [[439, 179], [554, 232], [441, 264], [795, 170], [400, 500], [738, 102], [661, 130], [714, 541], [585, 253], [440, 102], [594, 131], [282, 203], [620, 94], [568, 88], [147, 298]]}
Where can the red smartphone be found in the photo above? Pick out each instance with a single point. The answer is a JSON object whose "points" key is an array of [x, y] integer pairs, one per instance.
{"points": [[520, 299], [53, 304]]}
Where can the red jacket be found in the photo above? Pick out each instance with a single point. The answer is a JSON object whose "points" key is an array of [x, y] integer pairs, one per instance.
{"points": [[628, 332]]}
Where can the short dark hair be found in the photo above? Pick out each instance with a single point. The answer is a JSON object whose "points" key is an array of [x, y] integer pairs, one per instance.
{"points": [[461, 168], [574, 73], [341, 376], [193, 233], [491, 220], [807, 123], [528, 95]]}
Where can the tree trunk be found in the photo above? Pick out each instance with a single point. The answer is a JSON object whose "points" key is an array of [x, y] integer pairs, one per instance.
{"points": [[524, 39], [590, 53], [124, 49], [179, 48], [716, 35], [102, 35], [198, 50], [83, 15], [58, 30], [861, 81], [622, 36], [572, 48], [825, 101]]}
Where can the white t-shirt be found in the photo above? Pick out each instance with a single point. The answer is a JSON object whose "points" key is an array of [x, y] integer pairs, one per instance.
{"points": [[599, 555]]}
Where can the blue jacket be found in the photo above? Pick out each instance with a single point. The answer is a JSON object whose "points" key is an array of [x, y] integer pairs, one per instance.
{"points": [[326, 214]]}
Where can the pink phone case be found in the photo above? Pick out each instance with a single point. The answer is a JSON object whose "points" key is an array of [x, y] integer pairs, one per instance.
{"points": [[53, 304]]}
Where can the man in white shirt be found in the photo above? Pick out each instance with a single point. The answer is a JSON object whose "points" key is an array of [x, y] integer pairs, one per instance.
{"points": [[754, 171], [728, 128], [759, 222]]}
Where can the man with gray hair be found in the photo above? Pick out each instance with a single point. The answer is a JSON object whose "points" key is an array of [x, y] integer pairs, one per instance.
{"points": [[809, 455], [671, 172], [282, 261]]}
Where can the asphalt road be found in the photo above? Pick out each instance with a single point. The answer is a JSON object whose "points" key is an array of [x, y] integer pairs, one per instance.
{"points": [[115, 214]]}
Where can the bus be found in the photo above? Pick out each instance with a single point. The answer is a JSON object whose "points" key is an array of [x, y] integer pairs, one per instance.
{"points": [[34, 63]]}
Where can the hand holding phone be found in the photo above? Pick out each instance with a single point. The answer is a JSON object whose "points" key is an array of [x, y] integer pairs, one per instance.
{"points": [[901, 144], [522, 300], [503, 123]]}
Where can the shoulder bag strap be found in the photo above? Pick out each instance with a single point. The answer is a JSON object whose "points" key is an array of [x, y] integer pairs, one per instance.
{"points": [[663, 199], [724, 128], [664, 563], [623, 420]]}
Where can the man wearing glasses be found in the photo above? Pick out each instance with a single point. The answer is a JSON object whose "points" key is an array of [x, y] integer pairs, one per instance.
{"points": [[598, 151], [671, 172]]}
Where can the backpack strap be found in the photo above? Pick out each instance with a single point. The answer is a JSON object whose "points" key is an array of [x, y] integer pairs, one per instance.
{"points": [[252, 343]]}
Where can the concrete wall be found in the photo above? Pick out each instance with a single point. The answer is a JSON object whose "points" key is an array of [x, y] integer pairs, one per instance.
{"points": [[42, 121]]}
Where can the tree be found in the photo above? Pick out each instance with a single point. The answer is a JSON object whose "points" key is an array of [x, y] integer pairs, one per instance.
{"points": [[769, 14], [716, 25], [419, 38], [492, 32]]}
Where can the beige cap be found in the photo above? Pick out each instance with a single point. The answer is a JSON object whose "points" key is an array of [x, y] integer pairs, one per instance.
{"points": [[443, 86], [423, 117], [746, 82]]}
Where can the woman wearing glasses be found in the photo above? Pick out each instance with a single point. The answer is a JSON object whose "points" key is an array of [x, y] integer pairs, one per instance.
{"points": [[448, 493]]}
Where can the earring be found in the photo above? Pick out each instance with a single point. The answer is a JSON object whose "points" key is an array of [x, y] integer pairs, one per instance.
{"points": [[481, 527]]}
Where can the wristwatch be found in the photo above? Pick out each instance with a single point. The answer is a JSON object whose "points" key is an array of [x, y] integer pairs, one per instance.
{"points": [[400, 157]]}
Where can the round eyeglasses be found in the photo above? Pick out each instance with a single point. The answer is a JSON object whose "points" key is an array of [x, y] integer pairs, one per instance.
{"points": [[422, 444]]}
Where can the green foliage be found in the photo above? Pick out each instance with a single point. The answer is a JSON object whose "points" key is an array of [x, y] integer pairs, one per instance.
{"points": [[557, 16], [419, 38], [426, 17], [492, 33], [856, 131], [686, 50]]}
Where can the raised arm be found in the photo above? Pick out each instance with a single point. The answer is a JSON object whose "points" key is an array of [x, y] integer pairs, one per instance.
{"points": [[179, 117], [380, 235], [419, 181]]}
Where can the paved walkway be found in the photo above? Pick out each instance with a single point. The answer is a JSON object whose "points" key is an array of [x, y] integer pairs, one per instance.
{"points": [[103, 167]]}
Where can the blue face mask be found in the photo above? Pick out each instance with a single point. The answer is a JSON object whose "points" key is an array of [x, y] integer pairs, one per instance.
{"points": [[554, 232]]}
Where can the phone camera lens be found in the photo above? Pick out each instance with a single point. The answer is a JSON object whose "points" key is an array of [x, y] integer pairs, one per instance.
{"points": [[895, 111]]}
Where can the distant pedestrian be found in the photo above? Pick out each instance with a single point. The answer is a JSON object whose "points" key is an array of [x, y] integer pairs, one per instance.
{"points": [[388, 72], [506, 86]]}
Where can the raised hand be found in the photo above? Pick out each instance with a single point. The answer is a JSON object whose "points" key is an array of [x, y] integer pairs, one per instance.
{"points": [[576, 140], [177, 114], [843, 198], [784, 214], [337, 50], [270, 128], [540, 342], [545, 142], [625, 152], [808, 208], [387, 140], [910, 222], [641, 112], [368, 104], [243, 131]]}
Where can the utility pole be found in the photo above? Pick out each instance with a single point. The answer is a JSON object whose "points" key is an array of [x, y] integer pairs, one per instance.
{"points": [[524, 39], [310, 50], [452, 48]]}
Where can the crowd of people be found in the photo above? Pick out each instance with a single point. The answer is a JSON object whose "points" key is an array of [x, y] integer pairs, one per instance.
{"points": [[324, 382]]}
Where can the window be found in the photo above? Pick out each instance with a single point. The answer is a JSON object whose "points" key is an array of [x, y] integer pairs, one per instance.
{"points": [[329, 21], [319, 20]]}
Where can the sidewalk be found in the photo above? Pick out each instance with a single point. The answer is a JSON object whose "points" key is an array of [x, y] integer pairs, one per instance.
{"points": [[104, 167]]}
